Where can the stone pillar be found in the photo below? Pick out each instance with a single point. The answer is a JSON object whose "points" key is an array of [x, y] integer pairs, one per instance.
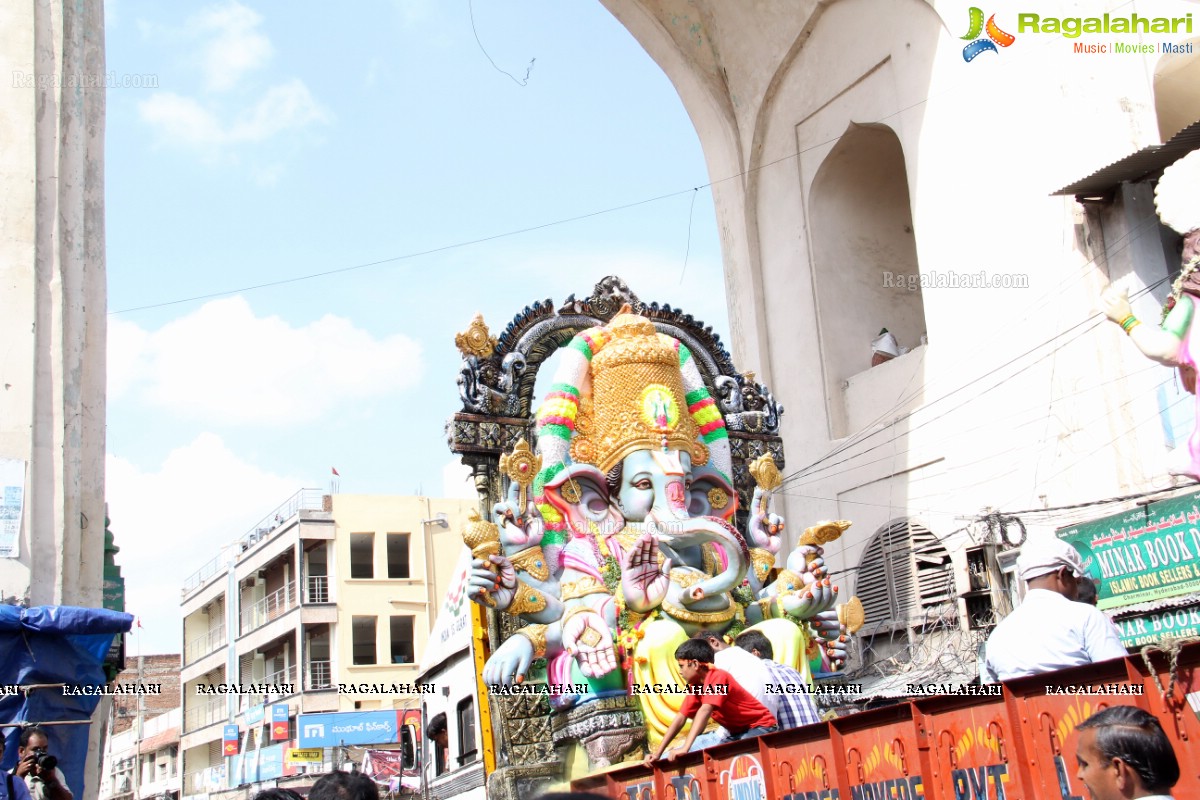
{"points": [[52, 301], [52, 293]]}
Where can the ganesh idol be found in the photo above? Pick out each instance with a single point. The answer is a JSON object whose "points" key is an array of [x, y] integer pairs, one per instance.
{"points": [[617, 542]]}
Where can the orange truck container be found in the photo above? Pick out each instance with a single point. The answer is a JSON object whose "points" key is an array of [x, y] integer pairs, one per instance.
{"points": [[1018, 745]]}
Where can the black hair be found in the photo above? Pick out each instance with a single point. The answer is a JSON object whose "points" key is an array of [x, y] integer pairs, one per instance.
{"points": [[695, 650], [344, 786], [1088, 591], [1137, 738], [277, 793], [755, 640], [29, 733], [436, 725]]}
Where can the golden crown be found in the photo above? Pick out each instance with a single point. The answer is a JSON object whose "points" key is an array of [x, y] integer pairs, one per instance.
{"points": [[638, 401]]}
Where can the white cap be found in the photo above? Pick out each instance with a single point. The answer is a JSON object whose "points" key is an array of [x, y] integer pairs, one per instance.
{"points": [[1044, 556], [885, 343]]}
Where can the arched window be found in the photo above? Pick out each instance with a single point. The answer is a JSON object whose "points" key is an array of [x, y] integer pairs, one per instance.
{"points": [[865, 270], [904, 571]]}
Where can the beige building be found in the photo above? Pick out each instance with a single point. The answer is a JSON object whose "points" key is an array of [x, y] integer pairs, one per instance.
{"points": [[867, 175], [325, 594]]}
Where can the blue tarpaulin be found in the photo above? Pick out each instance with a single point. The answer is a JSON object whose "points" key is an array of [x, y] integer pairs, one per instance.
{"points": [[54, 644]]}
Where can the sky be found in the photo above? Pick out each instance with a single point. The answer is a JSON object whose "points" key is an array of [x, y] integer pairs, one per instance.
{"points": [[284, 141]]}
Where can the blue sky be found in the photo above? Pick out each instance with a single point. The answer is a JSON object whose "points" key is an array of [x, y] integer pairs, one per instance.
{"points": [[287, 141]]}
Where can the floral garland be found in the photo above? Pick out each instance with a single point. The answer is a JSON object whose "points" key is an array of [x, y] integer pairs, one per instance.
{"points": [[1177, 287]]}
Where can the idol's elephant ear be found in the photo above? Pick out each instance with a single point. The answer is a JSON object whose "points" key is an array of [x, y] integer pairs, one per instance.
{"points": [[580, 494], [711, 495]]}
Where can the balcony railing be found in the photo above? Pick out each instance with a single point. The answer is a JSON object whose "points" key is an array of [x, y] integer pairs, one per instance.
{"points": [[204, 574], [204, 644], [204, 713], [285, 675], [276, 604], [317, 589], [320, 676], [306, 499]]}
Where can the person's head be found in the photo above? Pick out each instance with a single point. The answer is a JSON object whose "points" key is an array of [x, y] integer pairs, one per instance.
{"points": [[32, 738], [694, 658], [277, 793], [715, 640], [1124, 753], [1087, 591], [437, 729], [1050, 563], [344, 786], [756, 643]]}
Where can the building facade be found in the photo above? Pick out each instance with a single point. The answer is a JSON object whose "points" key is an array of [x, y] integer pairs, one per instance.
{"points": [[870, 173], [324, 598]]}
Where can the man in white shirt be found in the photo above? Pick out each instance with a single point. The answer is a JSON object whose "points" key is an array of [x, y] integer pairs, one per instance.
{"points": [[1124, 754], [1049, 631]]}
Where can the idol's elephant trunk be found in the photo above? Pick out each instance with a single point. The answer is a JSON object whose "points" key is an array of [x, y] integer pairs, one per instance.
{"points": [[680, 533]]}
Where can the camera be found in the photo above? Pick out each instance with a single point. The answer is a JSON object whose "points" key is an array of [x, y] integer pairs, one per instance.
{"points": [[43, 760]]}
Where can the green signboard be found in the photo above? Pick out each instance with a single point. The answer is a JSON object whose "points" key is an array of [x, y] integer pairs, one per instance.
{"points": [[1154, 626], [1146, 554]]}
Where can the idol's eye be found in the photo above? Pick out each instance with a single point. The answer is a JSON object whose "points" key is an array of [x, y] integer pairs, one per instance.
{"points": [[643, 484]]}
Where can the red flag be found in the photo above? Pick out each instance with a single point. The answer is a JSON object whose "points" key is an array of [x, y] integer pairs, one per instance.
{"points": [[139, 622], [335, 472]]}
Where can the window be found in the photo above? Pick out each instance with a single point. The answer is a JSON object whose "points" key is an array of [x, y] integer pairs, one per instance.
{"points": [[397, 554], [466, 731], [362, 555], [402, 640], [904, 571], [364, 640]]}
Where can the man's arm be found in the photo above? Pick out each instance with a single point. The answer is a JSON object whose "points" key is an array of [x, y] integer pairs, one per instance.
{"points": [[1101, 639], [699, 723], [56, 786], [672, 731]]}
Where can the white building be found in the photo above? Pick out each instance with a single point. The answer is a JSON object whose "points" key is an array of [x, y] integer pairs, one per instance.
{"points": [[325, 591], [144, 764], [862, 167]]}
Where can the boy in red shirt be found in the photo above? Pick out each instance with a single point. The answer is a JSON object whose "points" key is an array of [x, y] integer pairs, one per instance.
{"points": [[713, 693]]}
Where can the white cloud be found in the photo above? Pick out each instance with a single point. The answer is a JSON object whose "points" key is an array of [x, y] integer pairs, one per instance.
{"points": [[230, 50], [150, 508], [223, 364], [183, 120], [234, 46]]}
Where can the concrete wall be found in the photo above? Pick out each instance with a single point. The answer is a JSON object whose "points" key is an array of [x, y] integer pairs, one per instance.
{"points": [[1018, 401]]}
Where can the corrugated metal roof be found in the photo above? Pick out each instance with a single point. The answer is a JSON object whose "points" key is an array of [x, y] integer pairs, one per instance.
{"points": [[1136, 167], [1156, 605]]}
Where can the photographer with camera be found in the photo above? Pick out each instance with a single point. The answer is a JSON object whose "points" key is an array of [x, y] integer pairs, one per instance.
{"points": [[38, 768]]}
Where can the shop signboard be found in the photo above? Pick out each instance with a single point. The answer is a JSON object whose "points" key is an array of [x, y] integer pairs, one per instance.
{"points": [[1149, 553]]}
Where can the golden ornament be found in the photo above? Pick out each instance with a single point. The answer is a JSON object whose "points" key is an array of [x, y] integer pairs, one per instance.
{"points": [[765, 473], [521, 466], [476, 340], [824, 532], [481, 536], [718, 498], [852, 615]]}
